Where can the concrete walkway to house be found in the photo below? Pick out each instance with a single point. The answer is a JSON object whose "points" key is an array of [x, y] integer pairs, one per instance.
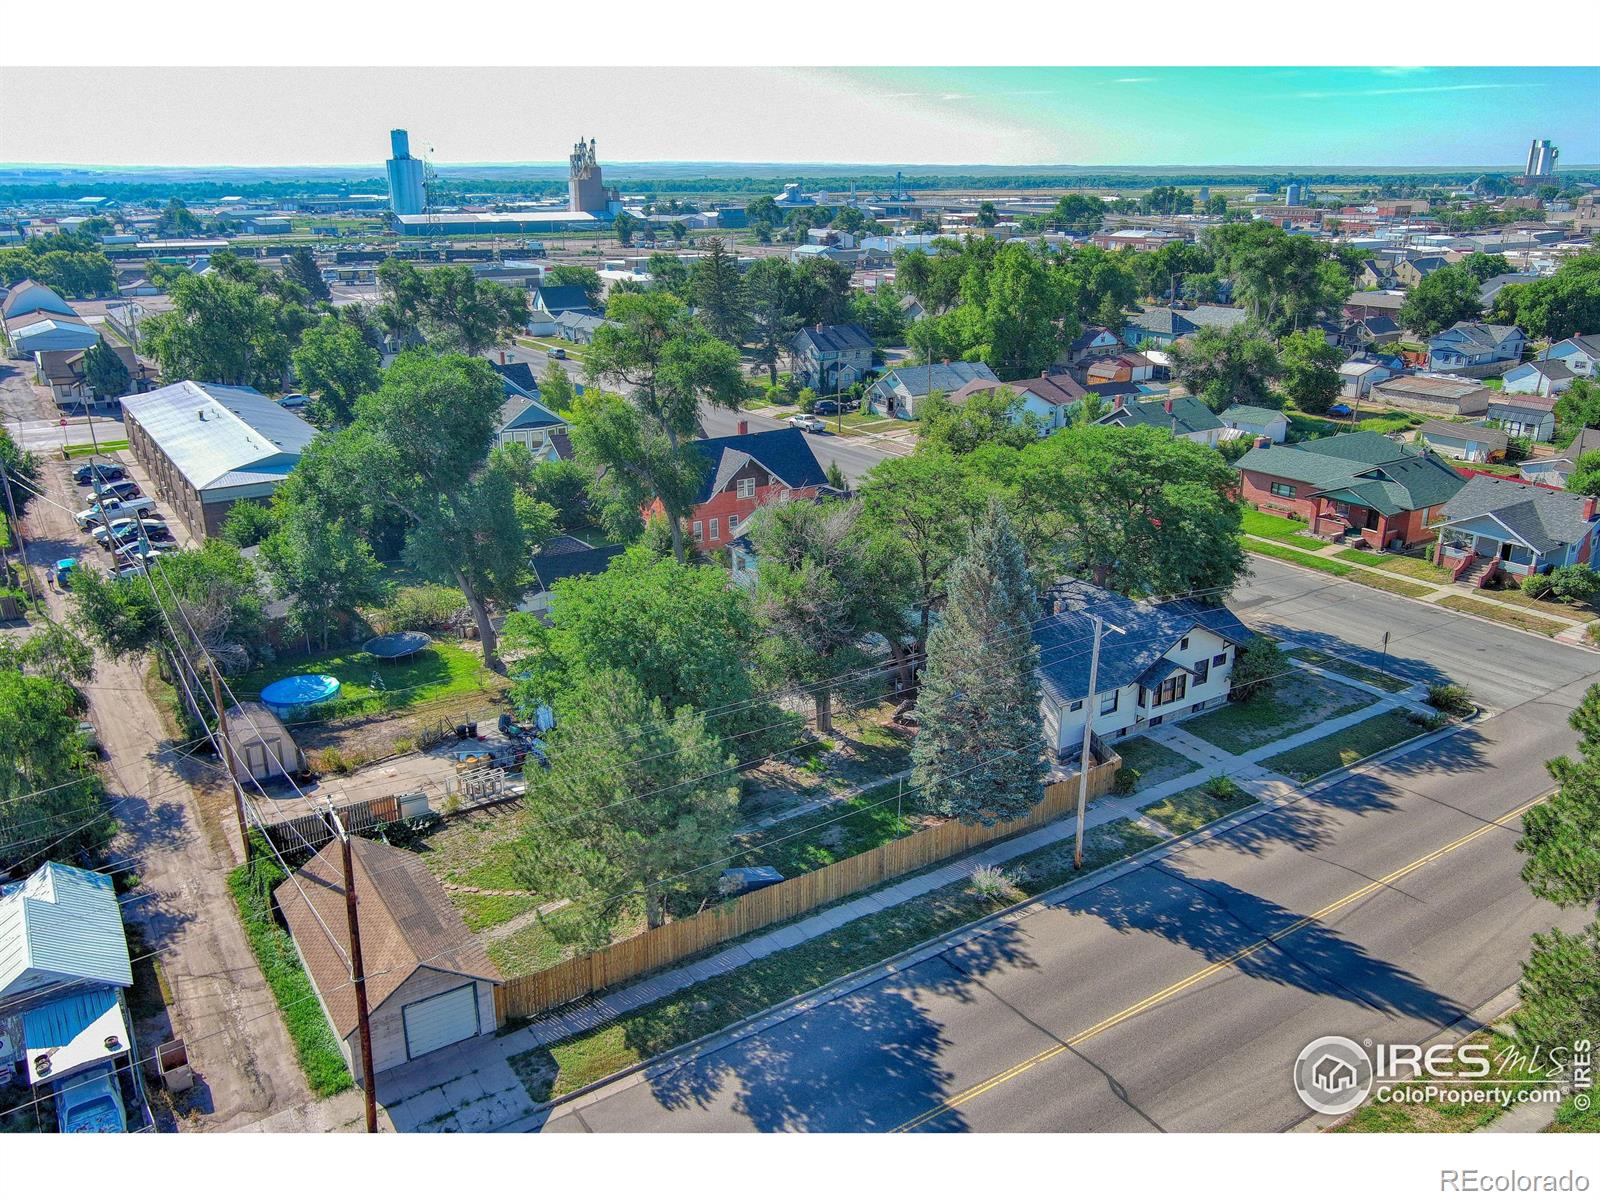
{"points": [[483, 1092], [1574, 629]]}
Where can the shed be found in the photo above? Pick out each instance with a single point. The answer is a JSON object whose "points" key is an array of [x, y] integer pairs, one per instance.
{"points": [[259, 746], [429, 984], [1250, 420]]}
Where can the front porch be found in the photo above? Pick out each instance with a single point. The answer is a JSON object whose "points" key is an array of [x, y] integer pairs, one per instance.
{"points": [[1461, 551], [1345, 521]]}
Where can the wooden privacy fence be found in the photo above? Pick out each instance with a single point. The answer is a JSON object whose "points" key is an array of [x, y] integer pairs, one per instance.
{"points": [[527, 995], [310, 832]]}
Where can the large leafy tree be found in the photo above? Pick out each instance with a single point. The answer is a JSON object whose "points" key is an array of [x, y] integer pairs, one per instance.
{"points": [[463, 313], [1577, 407], [695, 656], [991, 417], [823, 582], [223, 330], [106, 373], [1285, 280], [1227, 366], [1557, 306], [574, 275], [1560, 986], [1448, 295], [638, 798], [1022, 325], [979, 753], [1310, 365], [1139, 511], [51, 802], [669, 365], [323, 566], [335, 362], [419, 446]]}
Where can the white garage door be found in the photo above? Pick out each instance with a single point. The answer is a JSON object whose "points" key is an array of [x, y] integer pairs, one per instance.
{"points": [[441, 1020]]}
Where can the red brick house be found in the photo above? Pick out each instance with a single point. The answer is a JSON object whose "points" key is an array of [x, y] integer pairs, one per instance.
{"points": [[744, 472], [1360, 484]]}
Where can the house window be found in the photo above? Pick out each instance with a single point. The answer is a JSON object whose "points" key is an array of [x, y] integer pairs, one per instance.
{"points": [[1218, 659], [1108, 703], [697, 531], [1202, 671], [714, 533], [1183, 645], [1173, 689], [747, 489], [1077, 706], [1285, 490]]}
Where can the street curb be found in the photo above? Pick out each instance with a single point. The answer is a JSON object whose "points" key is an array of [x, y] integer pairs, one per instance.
{"points": [[1425, 603], [795, 1006]]}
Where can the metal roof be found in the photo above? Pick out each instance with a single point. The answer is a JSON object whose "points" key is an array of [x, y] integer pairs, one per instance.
{"points": [[219, 436], [72, 1032], [61, 924]]}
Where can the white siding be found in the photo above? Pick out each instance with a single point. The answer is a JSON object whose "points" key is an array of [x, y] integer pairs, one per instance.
{"points": [[388, 1027]]}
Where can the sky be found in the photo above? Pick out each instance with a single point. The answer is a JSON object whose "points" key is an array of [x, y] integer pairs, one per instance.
{"points": [[1104, 116]]}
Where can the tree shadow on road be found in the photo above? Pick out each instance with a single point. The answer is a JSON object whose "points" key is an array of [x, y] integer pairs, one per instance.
{"points": [[1225, 923]]}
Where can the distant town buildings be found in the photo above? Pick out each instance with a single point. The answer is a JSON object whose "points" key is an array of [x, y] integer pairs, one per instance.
{"points": [[1542, 159]]}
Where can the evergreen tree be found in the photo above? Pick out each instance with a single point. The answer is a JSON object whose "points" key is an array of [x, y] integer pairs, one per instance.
{"points": [[300, 265], [1560, 986], [719, 292], [978, 756]]}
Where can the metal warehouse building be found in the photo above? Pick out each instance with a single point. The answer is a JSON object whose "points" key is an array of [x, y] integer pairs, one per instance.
{"points": [[207, 447]]}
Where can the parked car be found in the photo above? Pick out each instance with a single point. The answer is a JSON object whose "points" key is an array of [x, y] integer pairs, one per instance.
{"points": [[121, 489], [807, 423], [86, 474], [110, 510], [128, 529], [91, 1102], [133, 556], [90, 737], [557, 352], [294, 401], [826, 408], [64, 569]]}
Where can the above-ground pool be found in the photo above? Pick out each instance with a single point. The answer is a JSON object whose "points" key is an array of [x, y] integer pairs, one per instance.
{"points": [[397, 645], [294, 696]]}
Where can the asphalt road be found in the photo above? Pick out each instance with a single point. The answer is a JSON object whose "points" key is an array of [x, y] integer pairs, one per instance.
{"points": [[1176, 996]]}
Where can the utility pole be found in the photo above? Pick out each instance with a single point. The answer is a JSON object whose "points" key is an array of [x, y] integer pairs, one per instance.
{"points": [[358, 974], [16, 530], [227, 754], [1089, 707]]}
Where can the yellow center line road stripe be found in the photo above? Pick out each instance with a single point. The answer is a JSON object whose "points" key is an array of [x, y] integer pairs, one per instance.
{"points": [[1222, 964]]}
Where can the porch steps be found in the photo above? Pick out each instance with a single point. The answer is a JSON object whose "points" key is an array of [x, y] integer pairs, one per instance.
{"points": [[1479, 574]]}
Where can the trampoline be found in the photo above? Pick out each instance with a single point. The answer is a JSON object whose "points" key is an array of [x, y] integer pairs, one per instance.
{"points": [[295, 696], [393, 646]]}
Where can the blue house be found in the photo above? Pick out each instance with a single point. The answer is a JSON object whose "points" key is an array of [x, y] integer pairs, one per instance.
{"points": [[1495, 526], [524, 420], [1468, 344], [64, 1020]]}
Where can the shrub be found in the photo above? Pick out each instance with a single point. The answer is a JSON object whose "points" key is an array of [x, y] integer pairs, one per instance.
{"points": [[564, 486], [1258, 664], [1220, 787], [1536, 586], [430, 606], [808, 400], [1450, 698], [991, 881], [1575, 585], [1126, 781]]}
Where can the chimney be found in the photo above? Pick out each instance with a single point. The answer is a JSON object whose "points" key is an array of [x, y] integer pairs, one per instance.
{"points": [[502, 358], [1117, 402], [1260, 441], [744, 427], [1167, 405], [1589, 503]]}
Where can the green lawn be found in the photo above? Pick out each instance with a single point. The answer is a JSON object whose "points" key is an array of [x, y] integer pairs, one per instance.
{"points": [[1155, 763], [815, 839], [1347, 746], [485, 912], [1355, 670], [369, 686], [1398, 564], [551, 1071], [1184, 812], [1511, 595], [1493, 612], [1278, 529], [83, 449], [1293, 703], [529, 949], [1400, 587], [476, 849], [1300, 558]]}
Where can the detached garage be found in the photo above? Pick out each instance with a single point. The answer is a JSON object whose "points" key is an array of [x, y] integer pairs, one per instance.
{"points": [[429, 984]]}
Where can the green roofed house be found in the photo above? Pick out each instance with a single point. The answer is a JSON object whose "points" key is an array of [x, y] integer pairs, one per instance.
{"points": [[1182, 416], [1355, 484], [1249, 420]]}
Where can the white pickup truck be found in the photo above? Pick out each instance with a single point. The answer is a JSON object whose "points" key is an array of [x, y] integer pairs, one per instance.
{"points": [[113, 509]]}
